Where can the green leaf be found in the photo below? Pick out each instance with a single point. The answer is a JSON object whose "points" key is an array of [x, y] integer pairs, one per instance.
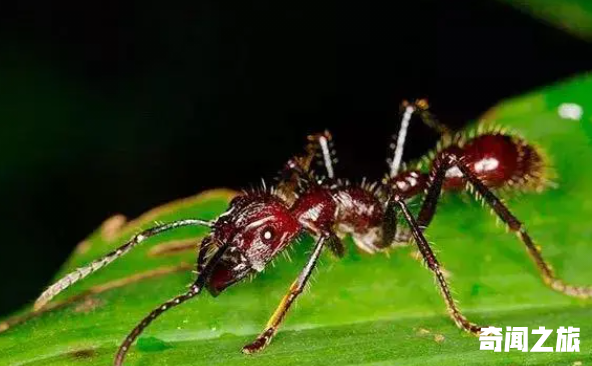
{"points": [[573, 16], [380, 310]]}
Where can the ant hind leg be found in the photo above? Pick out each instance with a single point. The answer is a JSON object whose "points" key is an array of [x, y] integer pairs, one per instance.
{"points": [[517, 227], [430, 202]]}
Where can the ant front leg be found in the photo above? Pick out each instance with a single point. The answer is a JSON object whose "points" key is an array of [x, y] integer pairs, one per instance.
{"points": [[433, 264], [429, 207], [280, 313]]}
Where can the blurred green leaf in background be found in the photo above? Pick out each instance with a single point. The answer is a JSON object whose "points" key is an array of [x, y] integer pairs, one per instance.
{"points": [[573, 16], [379, 310]]}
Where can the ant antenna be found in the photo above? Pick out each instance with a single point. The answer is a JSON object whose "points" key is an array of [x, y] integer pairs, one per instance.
{"points": [[194, 290], [80, 273]]}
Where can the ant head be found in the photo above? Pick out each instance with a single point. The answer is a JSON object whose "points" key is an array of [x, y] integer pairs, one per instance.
{"points": [[256, 227]]}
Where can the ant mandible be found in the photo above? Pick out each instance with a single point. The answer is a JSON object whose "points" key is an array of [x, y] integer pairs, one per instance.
{"points": [[258, 225]]}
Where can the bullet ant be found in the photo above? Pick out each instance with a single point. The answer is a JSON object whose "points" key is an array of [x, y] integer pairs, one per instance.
{"points": [[258, 225]]}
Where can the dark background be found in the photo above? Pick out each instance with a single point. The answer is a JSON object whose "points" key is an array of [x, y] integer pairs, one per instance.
{"points": [[115, 108]]}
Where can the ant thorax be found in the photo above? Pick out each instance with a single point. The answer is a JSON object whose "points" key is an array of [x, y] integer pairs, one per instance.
{"points": [[360, 214], [316, 209], [345, 209]]}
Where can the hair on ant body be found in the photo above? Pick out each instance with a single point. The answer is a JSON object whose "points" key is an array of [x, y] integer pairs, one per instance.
{"points": [[258, 225]]}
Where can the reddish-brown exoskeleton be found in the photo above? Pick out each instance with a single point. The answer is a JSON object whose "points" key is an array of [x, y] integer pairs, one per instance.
{"points": [[259, 225]]}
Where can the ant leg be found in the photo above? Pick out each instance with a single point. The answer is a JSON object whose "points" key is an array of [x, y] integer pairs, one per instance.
{"points": [[421, 108], [82, 272], [280, 313], [436, 179], [516, 226], [389, 224], [204, 248], [429, 207], [393, 235], [408, 111], [429, 119], [194, 290], [320, 147], [295, 169], [336, 246], [432, 263], [298, 169]]}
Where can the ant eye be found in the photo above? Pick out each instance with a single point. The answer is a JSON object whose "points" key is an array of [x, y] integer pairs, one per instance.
{"points": [[267, 235]]}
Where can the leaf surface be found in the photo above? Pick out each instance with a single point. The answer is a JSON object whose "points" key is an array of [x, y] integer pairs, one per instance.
{"points": [[375, 310], [572, 16]]}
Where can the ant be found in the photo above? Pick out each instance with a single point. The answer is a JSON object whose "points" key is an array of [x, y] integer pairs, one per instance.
{"points": [[259, 224]]}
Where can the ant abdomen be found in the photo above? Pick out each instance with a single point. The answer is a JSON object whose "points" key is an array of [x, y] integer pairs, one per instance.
{"points": [[358, 208], [498, 160]]}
